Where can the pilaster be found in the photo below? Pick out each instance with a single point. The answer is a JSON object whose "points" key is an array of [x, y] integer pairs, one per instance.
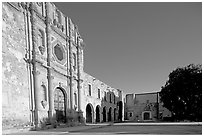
{"points": [[79, 75], [35, 72], [49, 77], [70, 62]]}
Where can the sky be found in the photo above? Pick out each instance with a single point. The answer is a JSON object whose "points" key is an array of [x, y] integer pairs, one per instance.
{"points": [[134, 46]]}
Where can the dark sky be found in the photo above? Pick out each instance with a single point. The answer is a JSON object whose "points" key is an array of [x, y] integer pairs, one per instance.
{"points": [[134, 46]]}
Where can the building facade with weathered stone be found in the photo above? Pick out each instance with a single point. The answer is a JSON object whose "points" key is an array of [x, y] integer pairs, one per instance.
{"points": [[145, 107], [102, 103], [42, 70]]}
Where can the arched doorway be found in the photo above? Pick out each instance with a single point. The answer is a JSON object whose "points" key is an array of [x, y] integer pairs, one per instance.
{"points": [[89, 113], [98, 113], [114, 114], [104, 114], [120, 104], [59, 105], [110, 114], [147, 115]]}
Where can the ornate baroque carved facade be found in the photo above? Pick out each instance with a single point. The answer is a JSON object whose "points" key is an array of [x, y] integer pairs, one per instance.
{"points": [[42, 70]]}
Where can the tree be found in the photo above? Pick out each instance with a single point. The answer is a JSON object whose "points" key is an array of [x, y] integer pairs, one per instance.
{"points": [[182, 93]]}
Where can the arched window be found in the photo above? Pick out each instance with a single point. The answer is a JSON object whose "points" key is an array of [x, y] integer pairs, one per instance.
{"points": [[40, 38], [98, 93], [58, 16], [41, 44], [74, 61], [75, 99], [59, 52], [105, 95], [89, 90], [110, 98]]}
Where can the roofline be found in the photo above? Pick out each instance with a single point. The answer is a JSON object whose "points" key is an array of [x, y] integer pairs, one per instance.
{"points": [[147, 93]]}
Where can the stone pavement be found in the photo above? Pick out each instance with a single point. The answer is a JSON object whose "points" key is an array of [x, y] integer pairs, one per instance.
{"points": [[51, 130], [65, 130], [161, 123]]}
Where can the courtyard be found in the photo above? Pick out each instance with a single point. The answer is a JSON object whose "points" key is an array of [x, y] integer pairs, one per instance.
{"points": [[123, 128]]}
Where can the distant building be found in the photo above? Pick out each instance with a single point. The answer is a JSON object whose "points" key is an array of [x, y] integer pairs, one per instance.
{"points": [[144, 107]]}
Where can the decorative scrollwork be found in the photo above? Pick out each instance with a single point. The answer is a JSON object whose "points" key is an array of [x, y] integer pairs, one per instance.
{"points": [[44, 103], [39, 4], [42, 49]]}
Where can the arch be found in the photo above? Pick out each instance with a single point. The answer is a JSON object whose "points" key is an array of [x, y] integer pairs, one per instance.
{"points": [[60, 104], [120, 104], [146, 115], [110, 114], [97, 113], [114, 114], [104, 114], [89, 113]]}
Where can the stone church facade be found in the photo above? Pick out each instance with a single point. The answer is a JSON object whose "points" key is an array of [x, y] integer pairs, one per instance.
{"points": [[42, 70]]}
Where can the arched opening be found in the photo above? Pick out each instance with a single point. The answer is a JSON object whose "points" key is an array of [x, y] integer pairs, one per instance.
{"points": [[104, 114], [114, 114], [146, 115], [120, 104], [110, 114], [97, 113], [59, 105], [89, 113]]}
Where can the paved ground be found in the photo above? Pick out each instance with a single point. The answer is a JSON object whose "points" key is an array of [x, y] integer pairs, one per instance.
{"points": [[167, 130], [124, 128]]}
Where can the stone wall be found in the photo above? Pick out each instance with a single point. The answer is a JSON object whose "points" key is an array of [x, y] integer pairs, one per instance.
{"points": [[137, 105], [109, 97], [42, 69], [15, 71], [145, 107]]}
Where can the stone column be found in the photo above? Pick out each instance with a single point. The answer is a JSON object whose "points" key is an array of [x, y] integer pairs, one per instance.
{"points": [[79, 75], [70, 64], [49, 77], [36, 97], [35, 72], [51, 98], [68, 67]]}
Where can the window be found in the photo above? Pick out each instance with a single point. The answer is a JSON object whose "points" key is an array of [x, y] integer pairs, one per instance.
{"points": [[57, 15], [114, 98], [58, 52], [110, 98], [41, 44], [99, 93], [75, 99], [105, 96], [130, 114], [74, 61], [89, 90]]}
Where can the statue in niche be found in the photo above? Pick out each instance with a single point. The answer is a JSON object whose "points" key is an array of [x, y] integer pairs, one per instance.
{"points": [[43, 96], [41, 45]]}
